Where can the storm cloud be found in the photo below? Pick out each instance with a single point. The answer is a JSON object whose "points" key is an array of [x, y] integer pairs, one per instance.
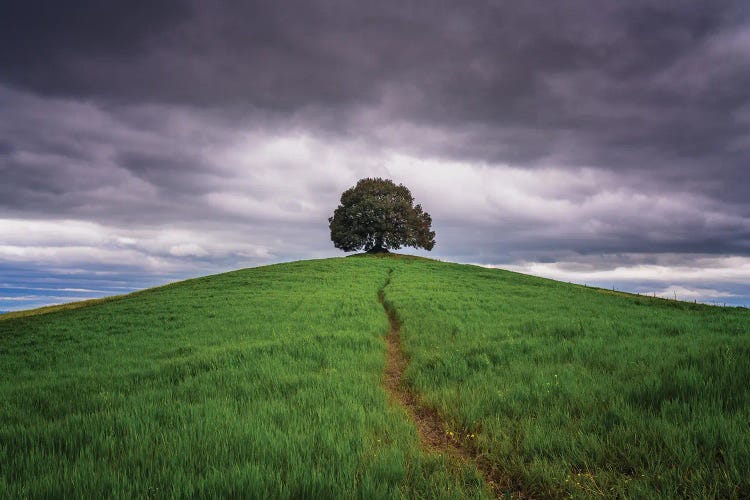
{"points": [[593, 140]]}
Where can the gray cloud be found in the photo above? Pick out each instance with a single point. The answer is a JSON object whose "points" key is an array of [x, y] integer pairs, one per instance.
{"points": [[659, 88], [569, 132]]}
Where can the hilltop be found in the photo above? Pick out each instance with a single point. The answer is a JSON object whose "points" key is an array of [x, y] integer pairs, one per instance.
{"points": [[375, 377]]}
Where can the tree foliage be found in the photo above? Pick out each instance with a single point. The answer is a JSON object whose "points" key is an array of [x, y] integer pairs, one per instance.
{"points": [[377, 215]]}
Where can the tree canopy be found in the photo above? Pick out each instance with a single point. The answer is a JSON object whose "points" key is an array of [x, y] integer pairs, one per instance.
{"points": [[377, 215]]}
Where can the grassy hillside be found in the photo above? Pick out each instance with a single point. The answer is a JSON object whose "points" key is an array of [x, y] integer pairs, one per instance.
{"points": [[268, 382], [572, 390]]}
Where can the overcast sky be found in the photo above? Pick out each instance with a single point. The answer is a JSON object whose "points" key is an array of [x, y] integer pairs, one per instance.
{"points": [[599, 141]]}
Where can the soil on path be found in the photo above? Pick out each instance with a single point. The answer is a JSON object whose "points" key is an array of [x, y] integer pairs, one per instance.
{"points": [[434, 433]]}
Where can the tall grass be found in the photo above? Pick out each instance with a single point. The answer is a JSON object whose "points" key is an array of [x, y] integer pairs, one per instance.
{"points": [[268, 383], [574, 391], [262, 383]]}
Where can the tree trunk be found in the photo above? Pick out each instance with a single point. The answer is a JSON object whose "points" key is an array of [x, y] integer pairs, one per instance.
{"points": [[378, 248]]}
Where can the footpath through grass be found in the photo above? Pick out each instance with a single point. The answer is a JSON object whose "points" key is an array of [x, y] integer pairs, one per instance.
{"points": [[576, 391], [261, 383], [268, 383]]}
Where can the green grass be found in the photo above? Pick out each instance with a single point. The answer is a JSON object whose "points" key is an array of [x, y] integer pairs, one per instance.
{"points": [[576, 391], [264, 383], [267, 383]]}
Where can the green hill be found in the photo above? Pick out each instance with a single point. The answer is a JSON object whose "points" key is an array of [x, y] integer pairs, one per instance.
{"points": [[269, 383]]}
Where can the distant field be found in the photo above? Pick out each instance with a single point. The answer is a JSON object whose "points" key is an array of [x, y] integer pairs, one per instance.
{"points": [[267, 383]]}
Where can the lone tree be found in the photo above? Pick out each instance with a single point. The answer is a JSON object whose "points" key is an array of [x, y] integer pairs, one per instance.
{"points": [[376, 215]]}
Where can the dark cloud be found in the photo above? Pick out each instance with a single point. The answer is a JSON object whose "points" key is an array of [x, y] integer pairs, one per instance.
{"points": [[56, 47], [171, 173], [633, 85]]}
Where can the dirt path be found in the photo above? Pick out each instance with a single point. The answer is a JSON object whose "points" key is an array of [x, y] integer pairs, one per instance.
{"points": [[434, 433]]}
